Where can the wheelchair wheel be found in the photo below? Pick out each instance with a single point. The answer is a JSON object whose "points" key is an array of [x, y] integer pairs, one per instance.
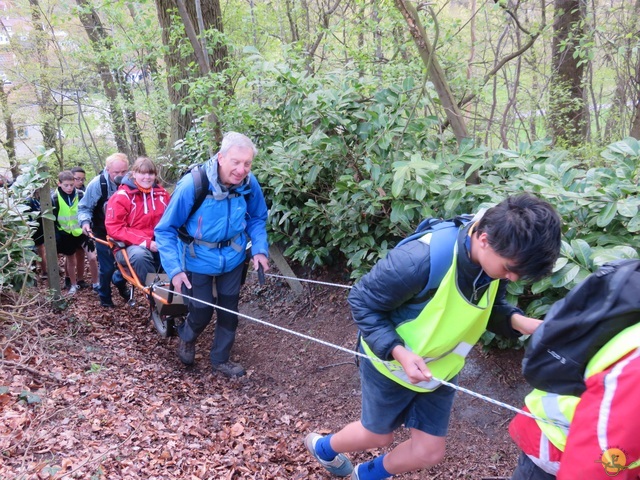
{"points": [[165, 315], [164, 324]]}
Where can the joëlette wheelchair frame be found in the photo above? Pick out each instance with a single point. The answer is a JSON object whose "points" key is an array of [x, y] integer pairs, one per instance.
{"points": [[166, 309]]}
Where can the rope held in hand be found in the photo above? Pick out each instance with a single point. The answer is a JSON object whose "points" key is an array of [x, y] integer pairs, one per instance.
{"points": [[358, 354]]}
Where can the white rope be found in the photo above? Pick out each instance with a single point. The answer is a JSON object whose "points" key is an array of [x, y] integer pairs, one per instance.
{"points": [[358, 354], [262, 322], [304, 280]]}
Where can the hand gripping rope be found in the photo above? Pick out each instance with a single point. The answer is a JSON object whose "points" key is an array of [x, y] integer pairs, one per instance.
{"points": [[358, 354]]}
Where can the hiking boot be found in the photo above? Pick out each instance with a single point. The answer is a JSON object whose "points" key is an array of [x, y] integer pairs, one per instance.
{"points": [[340, 466], [186, 351], [106, 304], [73, 289], [82, 284], [229, 369], [124, 291]]}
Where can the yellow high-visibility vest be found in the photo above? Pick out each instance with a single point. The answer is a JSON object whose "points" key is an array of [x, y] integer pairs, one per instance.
{"points": [[68, 216], [443, 333]]}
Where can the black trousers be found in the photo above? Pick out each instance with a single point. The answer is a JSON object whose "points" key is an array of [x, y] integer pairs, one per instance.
{"points": [[527, 470], [200, 315]]}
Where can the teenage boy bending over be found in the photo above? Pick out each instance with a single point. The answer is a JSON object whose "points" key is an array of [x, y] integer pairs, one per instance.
{"points": [[429, 336]]}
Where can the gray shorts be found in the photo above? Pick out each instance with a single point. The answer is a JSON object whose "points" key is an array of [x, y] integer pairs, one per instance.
{"points": [[386, 404]]}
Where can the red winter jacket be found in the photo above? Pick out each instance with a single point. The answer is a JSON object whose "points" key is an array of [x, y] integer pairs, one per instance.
{"points": [[132, 215], [605, 420]]}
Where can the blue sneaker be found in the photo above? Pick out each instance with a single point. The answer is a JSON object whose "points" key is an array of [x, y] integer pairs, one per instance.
{"points": [[339, 466]]}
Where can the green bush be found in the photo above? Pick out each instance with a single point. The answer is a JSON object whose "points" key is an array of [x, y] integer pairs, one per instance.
{"points": [[350, 168], [16, 226]]}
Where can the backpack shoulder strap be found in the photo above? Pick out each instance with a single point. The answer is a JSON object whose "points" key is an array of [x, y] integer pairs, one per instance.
{"points": [[441, 243], [104, 187], [442, 239], [201, 184], [426, 226]]}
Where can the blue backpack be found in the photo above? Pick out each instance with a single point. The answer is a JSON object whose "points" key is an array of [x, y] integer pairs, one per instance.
{"points": [[444, 235]]}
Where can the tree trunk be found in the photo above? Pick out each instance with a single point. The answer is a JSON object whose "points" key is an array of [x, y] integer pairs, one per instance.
{"points": [[293, 26], [435, 72], [9, 144], [567, 119], [44, 92], [97, 36], [136, 144], [113, 85], [150, 65], [311, 47], [635, 124], [212, 18], [178, 66], [377, 40]]}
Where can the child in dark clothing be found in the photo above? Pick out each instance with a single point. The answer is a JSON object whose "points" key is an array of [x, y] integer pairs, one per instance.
{"points": [[88, 250], [38, 235], [69, 236]]}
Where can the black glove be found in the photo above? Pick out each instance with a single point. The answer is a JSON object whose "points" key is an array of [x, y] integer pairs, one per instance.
{"points": [[89, 244]]}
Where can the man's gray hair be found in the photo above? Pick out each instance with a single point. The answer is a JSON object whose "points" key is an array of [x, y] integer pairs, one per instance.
{"points": [[235, 139]]}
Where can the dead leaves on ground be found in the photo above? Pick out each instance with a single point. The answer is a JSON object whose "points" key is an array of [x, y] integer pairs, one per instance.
{"points": [[123, 407], [96, 394]]}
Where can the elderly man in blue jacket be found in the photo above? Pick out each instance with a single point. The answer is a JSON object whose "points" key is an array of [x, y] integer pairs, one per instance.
{"points": [[206, 247]]}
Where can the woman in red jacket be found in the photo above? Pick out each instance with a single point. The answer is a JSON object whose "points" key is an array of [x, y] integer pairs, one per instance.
{"points": [[132, 214]]}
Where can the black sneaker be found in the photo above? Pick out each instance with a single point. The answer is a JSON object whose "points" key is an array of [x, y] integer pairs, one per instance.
{"points": [[229, 369], [186, 351], [124, 291], [83, 284], [107, 304]]}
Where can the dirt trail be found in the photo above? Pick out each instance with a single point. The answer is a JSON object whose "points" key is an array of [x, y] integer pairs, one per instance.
{"points": [[94, 393]]}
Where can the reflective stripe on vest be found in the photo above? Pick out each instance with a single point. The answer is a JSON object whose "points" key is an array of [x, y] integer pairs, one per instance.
{"points": [[611, 384], [544, 461], [561, 408], [68, 216], [443, 333], [556, 408]]}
